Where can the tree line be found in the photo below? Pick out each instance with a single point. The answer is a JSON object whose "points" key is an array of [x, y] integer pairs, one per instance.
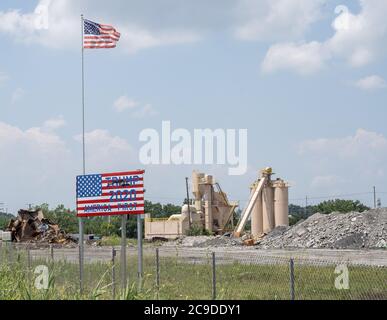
{"points": [[102, 226]]}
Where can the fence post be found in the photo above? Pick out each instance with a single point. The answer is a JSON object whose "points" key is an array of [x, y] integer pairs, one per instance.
{"points": [[213, 276], [158, 272], [29, 268], [292, 280], [29, 258], [124, 276], [114, 273], [52, 252], [10, 244]]}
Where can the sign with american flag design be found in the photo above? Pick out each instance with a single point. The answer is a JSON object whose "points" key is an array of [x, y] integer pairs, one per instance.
{"points": [[110, 194]]}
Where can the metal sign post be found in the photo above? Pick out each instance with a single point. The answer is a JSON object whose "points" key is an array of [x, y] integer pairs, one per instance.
{"points": [[140, 252], [81, 254], [124, 279]]}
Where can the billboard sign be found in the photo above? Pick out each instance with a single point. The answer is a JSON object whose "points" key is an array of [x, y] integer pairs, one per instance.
{"points": [[110, 194]]}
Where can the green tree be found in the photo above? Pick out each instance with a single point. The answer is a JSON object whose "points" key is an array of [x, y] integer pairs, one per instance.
{"points": [[65, 218], [298, 213], [5, 219], [100, 226], [343, 206], [158, 210]]}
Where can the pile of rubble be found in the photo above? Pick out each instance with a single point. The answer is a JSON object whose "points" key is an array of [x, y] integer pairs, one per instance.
{"points": [[367, 230], [31, 226]]}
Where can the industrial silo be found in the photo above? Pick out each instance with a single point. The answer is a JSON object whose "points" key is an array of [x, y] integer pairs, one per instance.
{"points": [[281, 203], [257, 214], [268, 208]]}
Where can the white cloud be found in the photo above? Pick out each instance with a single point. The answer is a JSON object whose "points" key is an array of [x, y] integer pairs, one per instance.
{"points": [[145, 111], [52, 20], [17, 95], [39, 167], [138, 110], [3, 78], [35, 164], [55, 123], [124, 103], [356, 160], [349, 147], [371, 83], [276, 19], [34, 139], [105, 152], [300, 58], [358, 39]]}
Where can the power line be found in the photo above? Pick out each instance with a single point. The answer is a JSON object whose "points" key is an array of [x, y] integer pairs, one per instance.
{"points": [[295, 199]]}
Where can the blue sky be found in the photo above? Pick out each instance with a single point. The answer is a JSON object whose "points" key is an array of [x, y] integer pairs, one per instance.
{"points": [[308, 84]]}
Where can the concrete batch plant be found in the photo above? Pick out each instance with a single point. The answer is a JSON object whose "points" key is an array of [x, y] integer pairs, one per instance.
{"points": [[268, 208]]}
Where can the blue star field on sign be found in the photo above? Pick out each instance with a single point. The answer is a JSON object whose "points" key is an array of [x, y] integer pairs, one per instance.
{"points": [[89, 186]]}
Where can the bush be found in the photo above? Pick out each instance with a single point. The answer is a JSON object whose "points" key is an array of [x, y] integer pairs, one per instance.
{"points": [[343, 206]]}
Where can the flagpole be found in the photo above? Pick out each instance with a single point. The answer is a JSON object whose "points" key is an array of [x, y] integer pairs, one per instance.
{"points": [[81, 236], [83, 99]]}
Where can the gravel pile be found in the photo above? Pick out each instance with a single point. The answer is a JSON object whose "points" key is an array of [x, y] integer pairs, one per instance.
{"points": [[367, 230], [206, 242]]}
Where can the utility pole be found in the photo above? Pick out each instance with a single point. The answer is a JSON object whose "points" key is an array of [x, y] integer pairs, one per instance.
{"points": [[375, 204], [189, 205], [306, 206]]}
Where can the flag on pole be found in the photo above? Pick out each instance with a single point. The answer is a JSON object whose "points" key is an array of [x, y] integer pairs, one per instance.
{"points": [[99, 36]]}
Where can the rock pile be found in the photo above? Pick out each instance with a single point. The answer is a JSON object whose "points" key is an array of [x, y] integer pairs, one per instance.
{"points": [[367, 230]]}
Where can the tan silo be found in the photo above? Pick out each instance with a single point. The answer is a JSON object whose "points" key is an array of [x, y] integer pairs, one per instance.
{"points": [[208, 217], [268, 208], [198, 189], [281, 203], [257, 214]]}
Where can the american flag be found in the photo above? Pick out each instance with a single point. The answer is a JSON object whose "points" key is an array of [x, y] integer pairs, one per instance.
{"points": [[99, 36], [110, 194]]}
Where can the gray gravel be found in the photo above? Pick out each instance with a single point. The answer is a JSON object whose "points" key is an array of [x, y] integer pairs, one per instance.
{"points": [[367, 230]]}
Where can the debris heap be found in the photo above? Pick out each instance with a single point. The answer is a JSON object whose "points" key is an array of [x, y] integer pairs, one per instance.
{"points": [[367, 230], [31, 226]]}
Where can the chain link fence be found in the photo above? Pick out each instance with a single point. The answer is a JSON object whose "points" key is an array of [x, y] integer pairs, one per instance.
{"points": [[184, 274]]}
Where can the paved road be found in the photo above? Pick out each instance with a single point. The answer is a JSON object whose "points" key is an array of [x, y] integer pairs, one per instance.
{"points": [[225, 255]]}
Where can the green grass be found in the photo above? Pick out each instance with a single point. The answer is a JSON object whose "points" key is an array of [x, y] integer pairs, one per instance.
{"points": [[114, 241], [186, 280]]}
